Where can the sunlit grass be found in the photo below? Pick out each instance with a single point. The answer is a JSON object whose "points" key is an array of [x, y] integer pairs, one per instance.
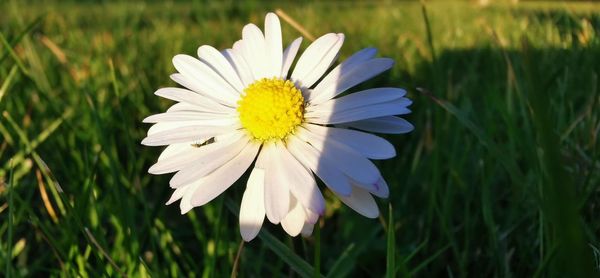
{"points": [[500, 174]]}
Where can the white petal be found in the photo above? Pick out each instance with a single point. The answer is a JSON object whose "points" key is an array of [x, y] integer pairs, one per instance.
{"points": [[174, 150], [182, 106], [301, 182], [207, 163], [343, 78], [182, 155], [179, 192], [183, 134], [176, 162], [201, 90], [218, 181], [164, 126], [252, 208], [369, 145], [362, 202], [217, 62], [235, 58], [322, 167], [205, 79], [311, 216], [325, 63], [277, 193], [253, 49], [360, 56], [388, 124], [186, 96], [355, 100], [273, 45], [316, 58], [379, 188], [395, 107], [289, 54], [185, 205], [294, 220], [307, 229], [203, 118], [347, 160]]}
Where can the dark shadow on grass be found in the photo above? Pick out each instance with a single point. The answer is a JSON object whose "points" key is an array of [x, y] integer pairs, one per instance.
{"points": [[536, 107]]}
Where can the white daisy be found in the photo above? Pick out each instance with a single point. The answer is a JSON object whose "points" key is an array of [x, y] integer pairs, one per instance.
{"points": [[242, 106]]}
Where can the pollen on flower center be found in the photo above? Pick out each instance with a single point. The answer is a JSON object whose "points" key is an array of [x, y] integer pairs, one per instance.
{"points": [[271, 109]]}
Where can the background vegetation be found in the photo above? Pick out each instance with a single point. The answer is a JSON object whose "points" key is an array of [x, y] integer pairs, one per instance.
{"points": [[500, 177]]}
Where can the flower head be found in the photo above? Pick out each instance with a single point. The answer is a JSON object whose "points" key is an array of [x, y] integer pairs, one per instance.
{"points": [[243, 109]]}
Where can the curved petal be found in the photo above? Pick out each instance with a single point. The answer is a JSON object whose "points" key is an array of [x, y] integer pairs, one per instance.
{"points": [[356, 100], [294, 220], [369, 145], [273, 45], [277, 193], [362, 202], [316, 59], [344, 77], [218, 181], [301, 182], [378, 188], [183, 134], [203, 118], [218, 63], [307, 229], [178, 194], [205, 79], [289, 54], [175, 150], [395, 107], [347, 160], [322, 167], [184, 154], [186, 96], [236, 59], [360, 56], [388, 124], [253, 49], [206, 163], [252, 208]]}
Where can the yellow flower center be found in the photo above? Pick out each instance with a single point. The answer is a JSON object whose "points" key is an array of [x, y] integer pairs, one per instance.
{"points": [[271, 109]]}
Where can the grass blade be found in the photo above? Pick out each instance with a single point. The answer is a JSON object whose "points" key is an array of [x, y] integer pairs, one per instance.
{"points": [[7, 81], [10, 223], [340, 267], [428, 260], [391, 245], [20, 36], [510, 165], [299, 265]]}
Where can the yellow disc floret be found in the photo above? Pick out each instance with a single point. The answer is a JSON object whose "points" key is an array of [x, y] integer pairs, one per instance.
{"points": [[271, 109]]}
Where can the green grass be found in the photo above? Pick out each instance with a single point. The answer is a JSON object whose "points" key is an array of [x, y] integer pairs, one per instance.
{"points": [[500, 177]]}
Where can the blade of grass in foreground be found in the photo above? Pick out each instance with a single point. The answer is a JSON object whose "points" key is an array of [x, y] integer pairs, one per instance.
{"points": [[10, 222], [573, 258], [510, 165], [391, 245], [348, 257], [317, 271], [7, 81], [20, 36], [299, 265]]}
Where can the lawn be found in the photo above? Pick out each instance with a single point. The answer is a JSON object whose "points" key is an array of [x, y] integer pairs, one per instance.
{"points": [[500, 178]]}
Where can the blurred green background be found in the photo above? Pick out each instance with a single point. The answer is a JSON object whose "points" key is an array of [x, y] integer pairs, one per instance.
{"points": [[500, 177]]}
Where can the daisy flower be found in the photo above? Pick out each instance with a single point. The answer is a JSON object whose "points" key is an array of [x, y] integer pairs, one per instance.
{"points": [[244, 107]]}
